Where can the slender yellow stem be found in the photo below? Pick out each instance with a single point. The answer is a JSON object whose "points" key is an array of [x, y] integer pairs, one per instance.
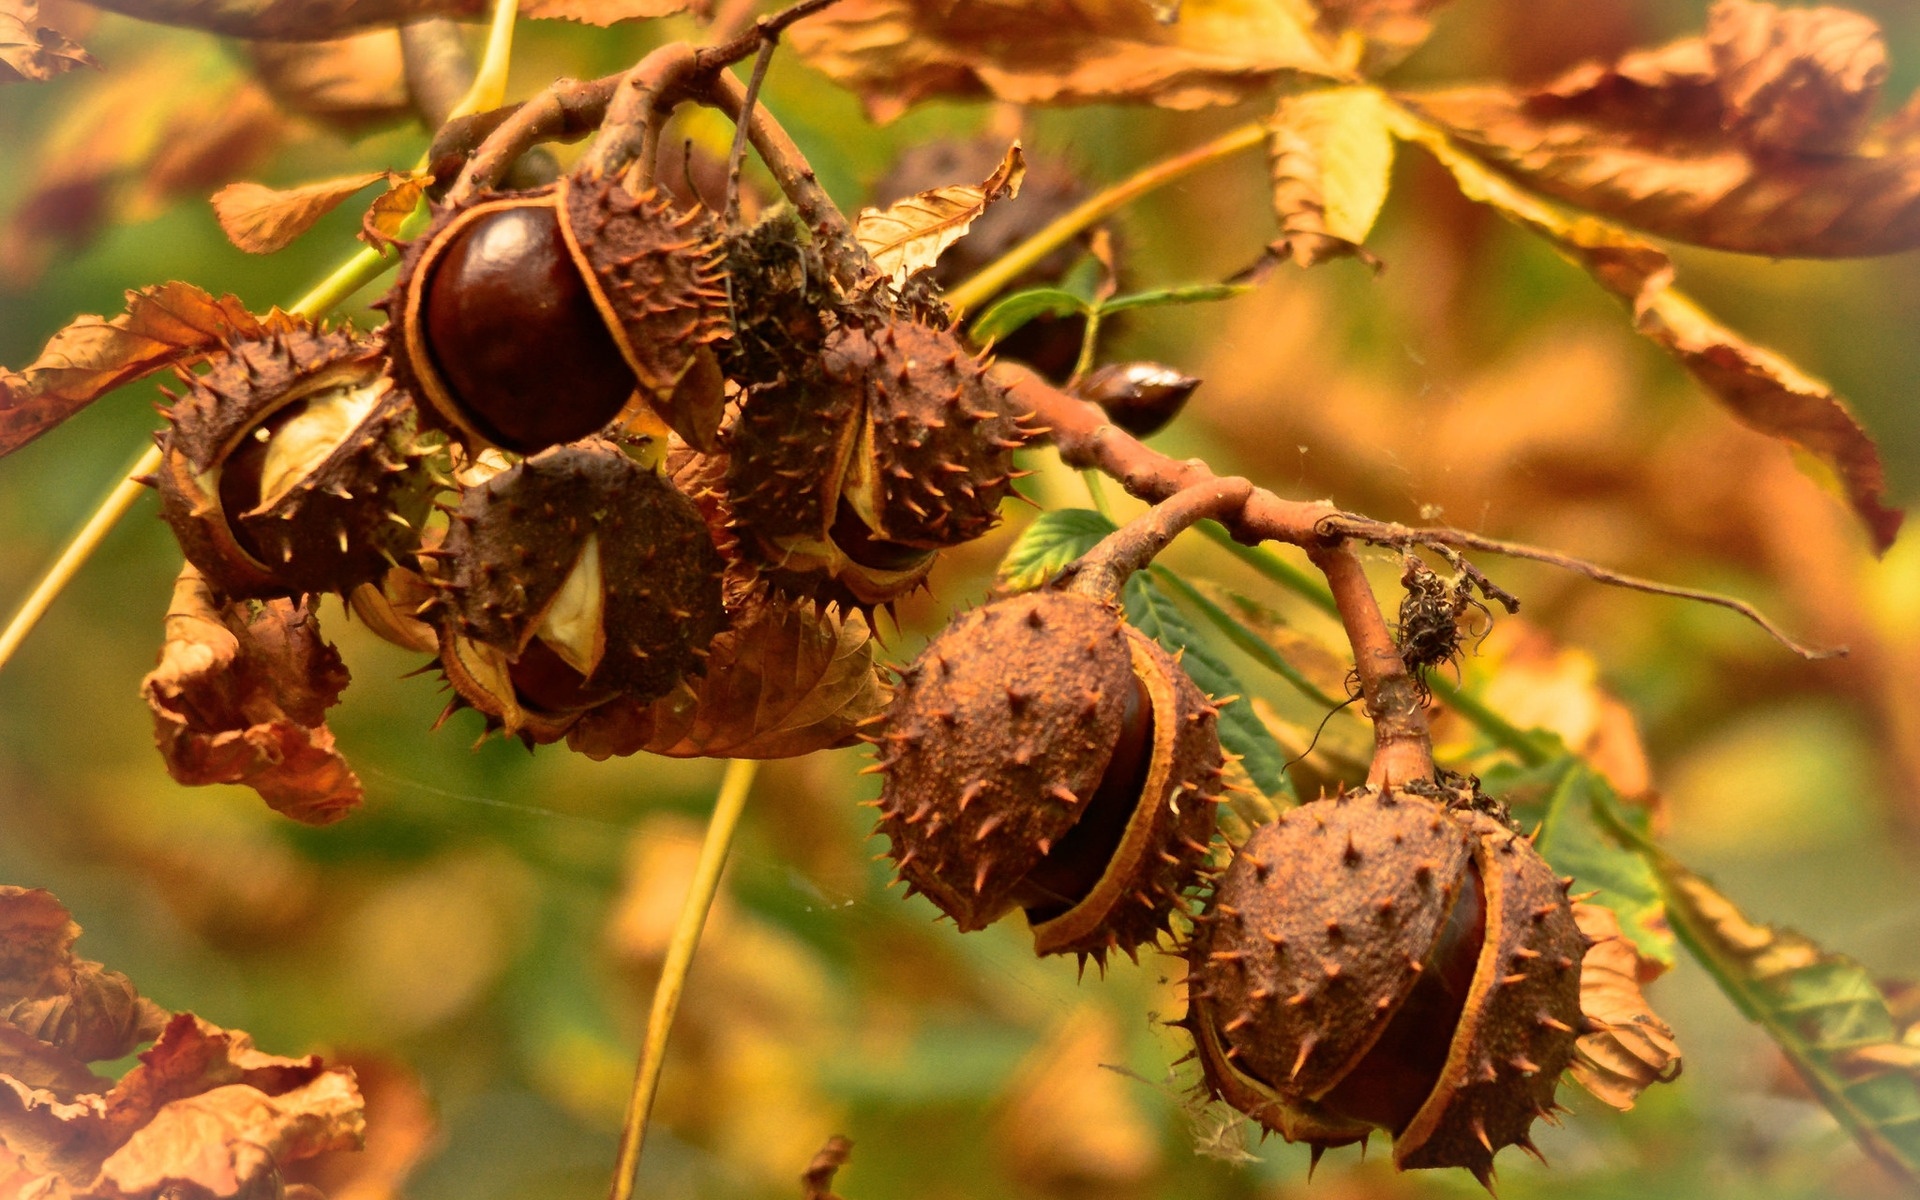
{"points": [[1009, 266], [673, 973], [78, 550], [490, 81]]}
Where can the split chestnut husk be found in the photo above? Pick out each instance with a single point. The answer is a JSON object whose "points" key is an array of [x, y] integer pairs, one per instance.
{"points": [[531, 319], [1383, 960], [292, 465], [1043, 755]]}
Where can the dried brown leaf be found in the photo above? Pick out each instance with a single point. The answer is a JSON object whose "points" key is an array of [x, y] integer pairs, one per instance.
{"points": [[607, 12], [1332, 156], [402, 1130], [30, 51], [895, 53], [166, 324], [909, 235], [1388, 29], [1747, 139], [816, 1182], [1762, 390], [261, 220], [380, 226], [349, 84], [240, 696], [786, 680], [202, 1109], [1633, 1048]]}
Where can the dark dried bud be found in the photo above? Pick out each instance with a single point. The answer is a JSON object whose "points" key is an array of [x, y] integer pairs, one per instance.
{"points": [[1140, 397]]}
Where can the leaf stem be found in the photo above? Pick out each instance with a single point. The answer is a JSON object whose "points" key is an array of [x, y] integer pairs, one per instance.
{"points": [[988, 282], [116, 505], [673, 973], [489, 86]]}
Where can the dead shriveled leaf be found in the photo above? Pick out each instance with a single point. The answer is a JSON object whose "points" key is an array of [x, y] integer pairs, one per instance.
{"points": [[1388, 29], [240, 696], [380, 225], [1752, 138], [402, 1130], [909, 235], [1332, 155], [203, 1114], [608, 12], [59, 1012], [787, 680], [816, 1182], [1633, 1048], [894, 53], [261, 220], [164, 325], [350, 84], [32, 52], [1762, 390]]}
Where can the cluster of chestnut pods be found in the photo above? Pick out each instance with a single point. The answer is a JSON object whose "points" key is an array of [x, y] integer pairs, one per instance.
{"points": [[633, 421]]}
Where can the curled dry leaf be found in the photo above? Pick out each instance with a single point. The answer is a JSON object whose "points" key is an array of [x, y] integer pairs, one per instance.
{"points": [[1633, 1048], [30, 51], [816, 1182], [203, 1114], [1762, 390], [240, 696], [59, 1012], [894, 53], [1748, 139], [909, 235], [1332, 155], [380, 225], [402, 1130], [164, 325], [787, 679], [261, 220], [349, 84]]}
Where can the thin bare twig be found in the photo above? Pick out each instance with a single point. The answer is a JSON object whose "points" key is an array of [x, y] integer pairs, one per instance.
{"points": [[737, 153], [1402, 748], [1387, 533]]}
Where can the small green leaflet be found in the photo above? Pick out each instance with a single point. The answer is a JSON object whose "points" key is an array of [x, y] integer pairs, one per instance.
{"points": [[1152, 612], [1822, 1009], [1576, 809], [1010, 313], [1054, 539]]}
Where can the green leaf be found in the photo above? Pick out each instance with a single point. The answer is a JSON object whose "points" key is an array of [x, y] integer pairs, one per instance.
{"points": [[1045, 547], [1577, 811], [1823, 1010], [1153, 612], [1193, 293], [1016, 310]]}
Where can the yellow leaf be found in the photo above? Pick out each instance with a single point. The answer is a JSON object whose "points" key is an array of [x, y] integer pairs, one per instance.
{"points": [[1332, 157], [261, 220]]}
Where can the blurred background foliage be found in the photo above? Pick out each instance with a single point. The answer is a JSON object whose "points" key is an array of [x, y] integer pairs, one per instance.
{"points": [[487, 930]]}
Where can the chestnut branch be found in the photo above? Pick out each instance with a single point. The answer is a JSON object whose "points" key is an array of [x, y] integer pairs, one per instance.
{"points": [[1103, 570], [1402, 748]]}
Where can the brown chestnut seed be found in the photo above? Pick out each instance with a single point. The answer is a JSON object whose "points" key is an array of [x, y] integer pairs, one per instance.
{"points": [[1001, 741], [515, 335], [1065, 876], [1140, 397], [866, 549]]}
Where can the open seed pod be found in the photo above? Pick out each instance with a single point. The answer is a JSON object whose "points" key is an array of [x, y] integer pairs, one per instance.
{"points": [[588, 573], [292, 466], [530, 319], [892, 445], [1382, 960], [1043, 755]]}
